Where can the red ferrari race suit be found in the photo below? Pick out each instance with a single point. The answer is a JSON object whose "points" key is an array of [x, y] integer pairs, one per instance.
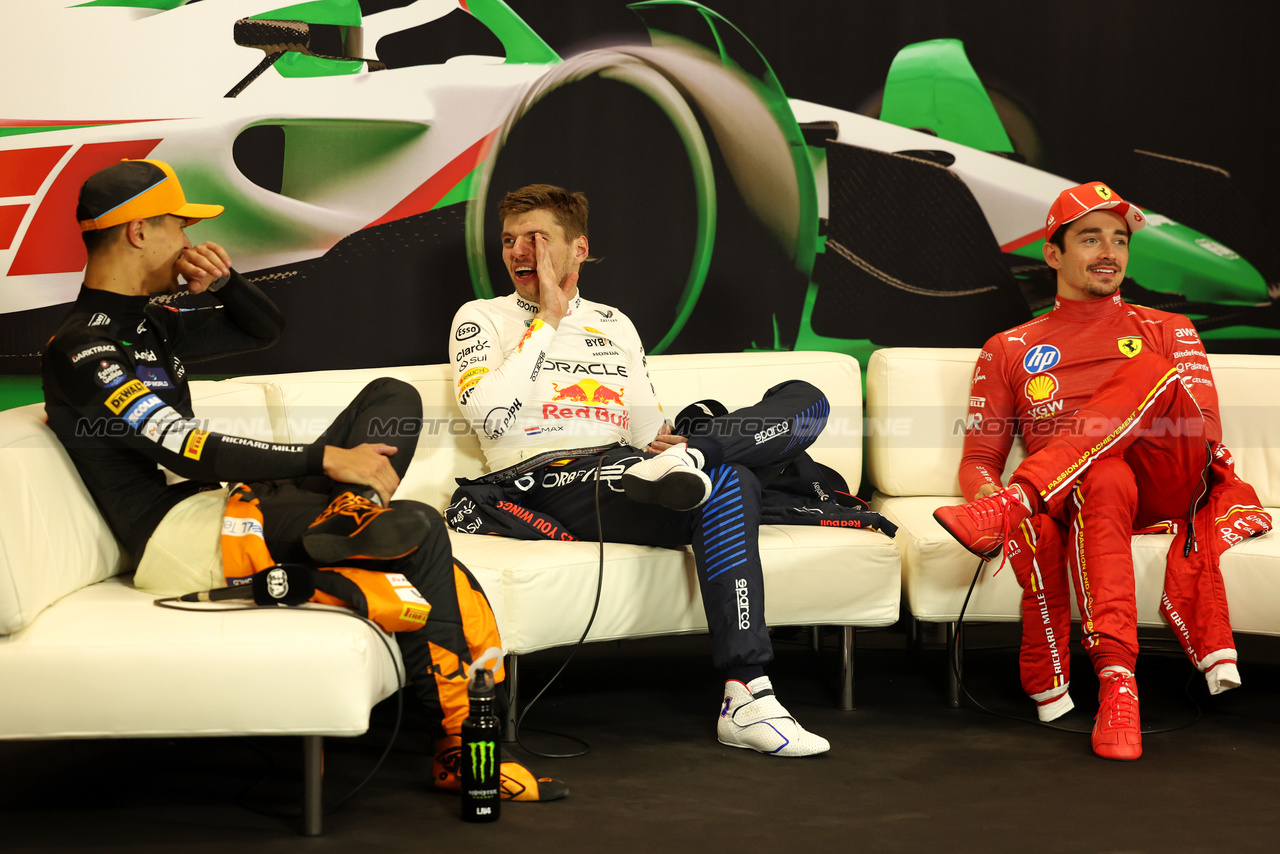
{"points": [[1118, 409]]}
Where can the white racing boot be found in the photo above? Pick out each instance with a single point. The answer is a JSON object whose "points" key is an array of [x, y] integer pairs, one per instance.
{"points": [[751, 716], [673, 479]]}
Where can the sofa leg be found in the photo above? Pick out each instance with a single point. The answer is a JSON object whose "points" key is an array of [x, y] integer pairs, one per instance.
{"points": [[513, 699], [955, 662], [312, 784], [848, 646], [815, 639]]}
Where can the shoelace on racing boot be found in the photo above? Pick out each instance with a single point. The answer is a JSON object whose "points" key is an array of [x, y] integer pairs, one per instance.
{"points": [[1121, 702], [989, 508]]}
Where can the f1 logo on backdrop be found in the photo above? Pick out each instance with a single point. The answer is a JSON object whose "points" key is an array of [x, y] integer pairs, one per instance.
{"points": [[51, 243], [1041, 357]]}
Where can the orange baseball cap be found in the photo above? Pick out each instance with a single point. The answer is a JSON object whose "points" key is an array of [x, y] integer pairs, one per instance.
{"points": [[1075, 202], [135, 189]]}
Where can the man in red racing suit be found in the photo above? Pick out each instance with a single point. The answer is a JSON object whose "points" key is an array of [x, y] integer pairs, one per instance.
{"points": [[1117, 406]]}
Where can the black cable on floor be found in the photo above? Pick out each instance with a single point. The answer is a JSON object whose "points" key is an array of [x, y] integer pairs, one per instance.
{"points": [[955, 670], [586, 748]]}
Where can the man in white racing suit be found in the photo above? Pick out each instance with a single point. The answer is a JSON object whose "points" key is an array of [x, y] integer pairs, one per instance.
{"points": [[558, 391]]}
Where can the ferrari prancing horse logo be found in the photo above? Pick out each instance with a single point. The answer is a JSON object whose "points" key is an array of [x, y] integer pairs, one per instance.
{"points": [[1129, 346], [1104, 192]]}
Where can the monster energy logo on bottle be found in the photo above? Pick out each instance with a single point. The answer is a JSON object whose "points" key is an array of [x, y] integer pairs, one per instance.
{"points": [[479, 751]]}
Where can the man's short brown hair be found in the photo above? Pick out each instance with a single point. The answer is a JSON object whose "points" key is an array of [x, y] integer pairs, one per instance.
{"points": [[569, 209]]}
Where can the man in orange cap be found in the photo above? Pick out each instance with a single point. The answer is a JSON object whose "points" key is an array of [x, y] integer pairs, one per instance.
{"points": [[117, 396], [1119, 413]]}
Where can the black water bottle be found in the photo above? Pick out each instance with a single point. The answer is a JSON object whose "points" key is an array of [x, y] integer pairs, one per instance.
{"points": [[481, 761]]}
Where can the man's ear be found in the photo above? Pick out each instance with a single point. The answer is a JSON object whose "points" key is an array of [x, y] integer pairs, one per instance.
{"points": [[580, 249], [135, 232], [1052, 255]]}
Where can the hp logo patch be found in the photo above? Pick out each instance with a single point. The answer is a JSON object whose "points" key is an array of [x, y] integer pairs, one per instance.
{"points": [[1041, 357]]}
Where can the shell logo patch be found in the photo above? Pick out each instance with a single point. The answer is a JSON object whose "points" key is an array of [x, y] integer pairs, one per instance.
{"points": [[1130, 347], [1040, 388], [1104, 192]]}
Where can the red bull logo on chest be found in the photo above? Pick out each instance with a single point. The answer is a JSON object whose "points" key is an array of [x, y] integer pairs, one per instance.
{"points": [[589, 391]]}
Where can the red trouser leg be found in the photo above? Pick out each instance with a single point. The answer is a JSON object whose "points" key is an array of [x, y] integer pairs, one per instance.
{"points": [[1099, 514], [1036, 555], [1195, 598]]}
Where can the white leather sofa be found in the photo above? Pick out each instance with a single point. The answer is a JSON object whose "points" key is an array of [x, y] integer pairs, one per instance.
{"points": [[83, 654], [917, 403]]}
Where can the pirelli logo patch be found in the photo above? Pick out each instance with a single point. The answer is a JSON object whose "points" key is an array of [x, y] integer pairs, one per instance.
{"points": [[194, 446], [125, 395]]}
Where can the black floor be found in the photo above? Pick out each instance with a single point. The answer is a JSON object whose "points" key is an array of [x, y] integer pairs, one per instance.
{"points": [[905, 773]]}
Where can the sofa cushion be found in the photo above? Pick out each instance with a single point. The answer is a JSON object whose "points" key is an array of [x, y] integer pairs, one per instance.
{"points": [[106, 662], [303, 405], [1249, 399], [813, 576], [937, 572], [918, 400], [53, 540]]}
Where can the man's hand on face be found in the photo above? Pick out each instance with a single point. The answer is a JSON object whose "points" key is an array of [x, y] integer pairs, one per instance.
{"points": [[202, 265], [553, 297], [363, 465]]}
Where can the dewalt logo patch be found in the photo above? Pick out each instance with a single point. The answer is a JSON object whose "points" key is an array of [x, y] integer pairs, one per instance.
{"points": [[125, 395]]}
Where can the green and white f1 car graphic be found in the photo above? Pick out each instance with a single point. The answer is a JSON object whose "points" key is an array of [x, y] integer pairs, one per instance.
{"points": [[725, 214]]}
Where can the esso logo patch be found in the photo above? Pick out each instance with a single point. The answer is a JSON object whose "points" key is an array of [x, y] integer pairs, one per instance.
{"points": [[1041, 357]]}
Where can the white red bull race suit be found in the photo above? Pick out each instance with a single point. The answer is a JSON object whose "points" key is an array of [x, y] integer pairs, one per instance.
{"points": [[528, 388], [1119, 413]]}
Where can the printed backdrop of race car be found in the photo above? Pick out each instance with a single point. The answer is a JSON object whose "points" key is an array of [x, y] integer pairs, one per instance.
{"points": [[726, 213]]}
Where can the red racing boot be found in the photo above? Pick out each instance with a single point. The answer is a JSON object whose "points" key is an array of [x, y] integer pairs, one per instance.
{"points": [[983, 525], [518, 782], [1117, 732]]}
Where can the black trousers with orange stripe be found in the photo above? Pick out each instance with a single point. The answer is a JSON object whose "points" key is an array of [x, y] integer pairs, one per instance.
{"points": [[461, 628]]}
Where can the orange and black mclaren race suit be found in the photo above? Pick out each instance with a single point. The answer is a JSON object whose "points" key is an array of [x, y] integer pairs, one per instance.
{"points": [[558, 408], [117, 396], [1119, 412]]}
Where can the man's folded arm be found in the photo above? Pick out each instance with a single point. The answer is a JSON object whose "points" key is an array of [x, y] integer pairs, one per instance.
{"points": [[487, 379], [245, 320]]}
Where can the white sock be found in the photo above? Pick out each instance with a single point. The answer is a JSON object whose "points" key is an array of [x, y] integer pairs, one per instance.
{"points": [[1023, 497], [1223, 677]]}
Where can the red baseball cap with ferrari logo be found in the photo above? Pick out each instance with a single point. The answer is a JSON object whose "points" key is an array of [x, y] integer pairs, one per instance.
{"points": [[1075, 202]]}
